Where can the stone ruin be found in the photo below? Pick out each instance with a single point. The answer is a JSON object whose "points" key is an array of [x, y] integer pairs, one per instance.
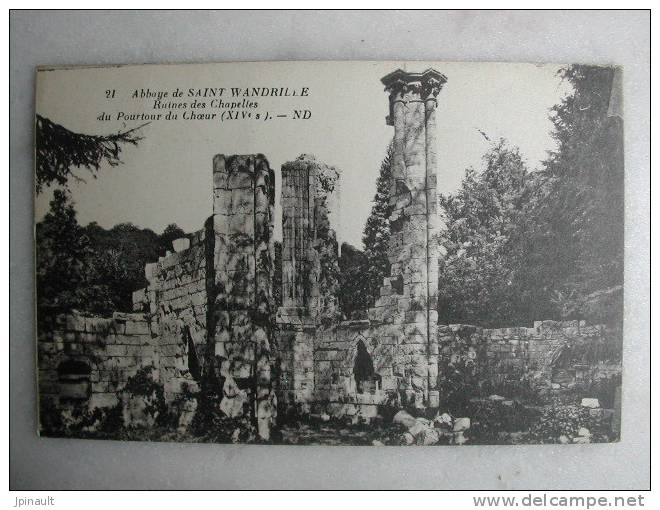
{"points": [[207, 320]]}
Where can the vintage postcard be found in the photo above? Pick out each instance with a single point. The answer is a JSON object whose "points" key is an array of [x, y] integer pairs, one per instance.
{"points": [[330, 253]]}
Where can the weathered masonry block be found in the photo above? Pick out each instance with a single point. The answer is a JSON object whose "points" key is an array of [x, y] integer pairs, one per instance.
{"points": [[176, 300], [548, 355], [240, 297]]}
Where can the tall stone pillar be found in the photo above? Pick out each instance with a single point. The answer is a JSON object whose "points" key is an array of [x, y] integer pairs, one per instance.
{"points": [[241, 299], [309, 251], [300, 290], [409, 295]]}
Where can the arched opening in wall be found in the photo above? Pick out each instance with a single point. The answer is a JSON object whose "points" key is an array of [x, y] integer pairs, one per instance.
{"points": [[366, 378], [74, 381]]}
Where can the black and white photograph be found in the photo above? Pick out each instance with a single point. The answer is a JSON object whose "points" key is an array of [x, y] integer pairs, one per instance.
{"points": [[398, 253]]}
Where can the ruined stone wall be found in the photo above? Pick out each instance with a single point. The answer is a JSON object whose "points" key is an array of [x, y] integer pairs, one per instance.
{"points": [[529, 358], [335, 387], [206, 316], [176, 299], [509, 360], [84, 361]]}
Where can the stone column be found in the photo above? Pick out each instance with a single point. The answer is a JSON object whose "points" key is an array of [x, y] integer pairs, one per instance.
{"points": [[300, 290], [308, 286], [409, 297], [430, 90], [241, 307]]}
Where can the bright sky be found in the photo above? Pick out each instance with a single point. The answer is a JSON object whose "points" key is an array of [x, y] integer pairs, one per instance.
{"points": [[168, 177]]}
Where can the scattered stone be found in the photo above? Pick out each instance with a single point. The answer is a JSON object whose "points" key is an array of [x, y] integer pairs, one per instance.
{"points": [[496, 398], [459, 438], [581, 440], [404, 419], [325, 417], [461, 424], [591, 403], [375, 442], [430, 437], [508, 403], [417, 429], [563, 439], [584, 432], [555, 386], [407, 438], [443, 420]]}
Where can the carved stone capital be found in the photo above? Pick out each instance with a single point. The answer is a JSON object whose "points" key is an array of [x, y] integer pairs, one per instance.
{"points": [[432, 87], [427, 84]]}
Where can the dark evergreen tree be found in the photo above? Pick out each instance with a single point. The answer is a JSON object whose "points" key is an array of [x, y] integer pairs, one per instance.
{"points": [[545, 245], [354, 292], [579, 216], [362, 272], [376, 235], [59, 150], [65, 275]]}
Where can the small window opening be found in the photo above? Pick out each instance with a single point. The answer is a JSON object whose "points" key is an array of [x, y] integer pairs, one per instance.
{"points": [[74, 381], [366, 378]]}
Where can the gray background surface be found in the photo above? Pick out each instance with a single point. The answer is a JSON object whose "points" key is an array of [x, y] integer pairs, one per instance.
{"points": [[80, 37]]}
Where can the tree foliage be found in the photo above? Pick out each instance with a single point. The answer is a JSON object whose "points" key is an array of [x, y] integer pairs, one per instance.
{"points": [[376, 235], [580, 215], [523, 246], [354, 292], [478, 276], [363, 272], [66, 278], [59, 150], [90, 268]]}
